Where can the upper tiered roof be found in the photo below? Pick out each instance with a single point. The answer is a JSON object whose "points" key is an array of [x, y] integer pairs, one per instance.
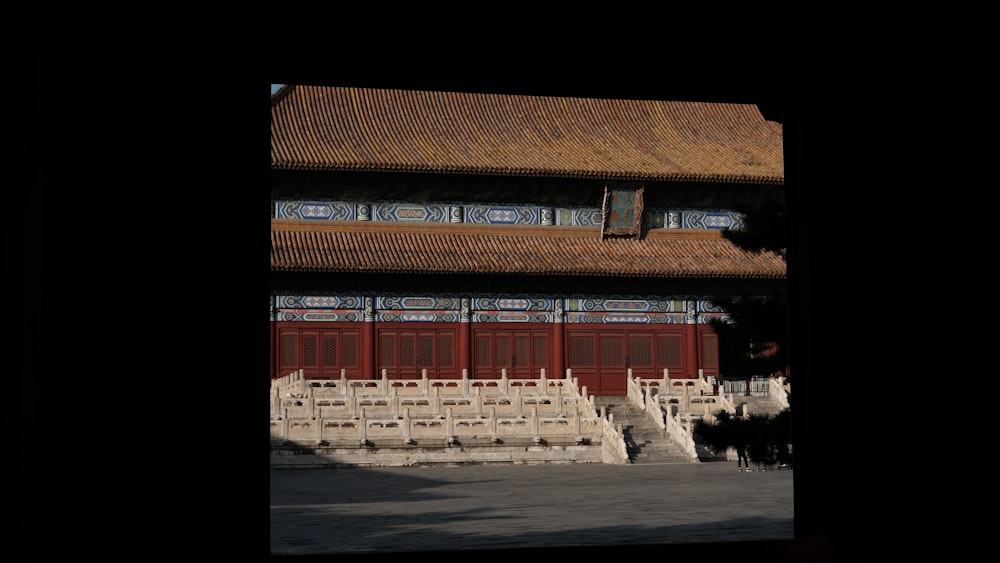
{"points": [[366, 129]]}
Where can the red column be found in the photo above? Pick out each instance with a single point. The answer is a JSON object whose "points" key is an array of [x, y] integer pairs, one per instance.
{"points": [[558, 341], [691, 341], [558, 345], [273, 351], [465, 339], [273, 354], [368, 341]]}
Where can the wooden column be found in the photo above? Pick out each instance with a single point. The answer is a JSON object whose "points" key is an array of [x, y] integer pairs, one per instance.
{"points": [[558, 341], [465, 337], [368, 339], [691, 341]]}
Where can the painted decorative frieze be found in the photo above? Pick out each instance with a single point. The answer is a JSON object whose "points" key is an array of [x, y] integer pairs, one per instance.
{"points": [[717, 220], [548, 216], [499, 214], [328, 308], [503, 215], [314, 210], [579, 217], [412, 213], [492, 309]]}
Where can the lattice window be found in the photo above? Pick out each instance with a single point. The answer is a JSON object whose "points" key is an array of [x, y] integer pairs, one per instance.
{"points": [[611, 352], [482, 351], [640, 351], [329, 350], [309, 350], [350, 352], [668, 351], [425, 355], [520, 351], [445, 354], [387, 350], [406, 352], [709, 352], [581, 351], [502, 357], [289, 357], [540, 349]]}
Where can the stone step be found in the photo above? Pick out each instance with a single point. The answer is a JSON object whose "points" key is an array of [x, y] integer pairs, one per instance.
{"points": [[645, 441]]}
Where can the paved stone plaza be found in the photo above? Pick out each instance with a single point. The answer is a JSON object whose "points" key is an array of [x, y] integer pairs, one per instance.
{"points": [[494, 507]]}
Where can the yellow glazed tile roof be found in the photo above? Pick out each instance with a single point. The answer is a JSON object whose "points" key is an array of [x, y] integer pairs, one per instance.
{"points": [[373, 247], [365, 129]]}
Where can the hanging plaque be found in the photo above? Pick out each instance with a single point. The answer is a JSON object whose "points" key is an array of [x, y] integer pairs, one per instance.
{"points": [[622, 211]]}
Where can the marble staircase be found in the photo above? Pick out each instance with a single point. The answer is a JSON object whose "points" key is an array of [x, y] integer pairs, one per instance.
{"points": [[644, 440]]}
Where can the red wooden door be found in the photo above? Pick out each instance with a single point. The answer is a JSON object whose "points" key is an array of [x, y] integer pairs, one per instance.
{"points": [[523, 352], [319, 351], [601, 357], [581, 359], [405, 351], [708, 352], [669, 353], [611, 354]]}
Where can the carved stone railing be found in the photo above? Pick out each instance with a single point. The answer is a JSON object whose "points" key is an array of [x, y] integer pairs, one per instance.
{"points": [[367, 413], [778, 391]]}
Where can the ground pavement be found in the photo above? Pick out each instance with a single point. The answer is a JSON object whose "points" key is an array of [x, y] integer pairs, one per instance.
{"points": [[498, 507]]}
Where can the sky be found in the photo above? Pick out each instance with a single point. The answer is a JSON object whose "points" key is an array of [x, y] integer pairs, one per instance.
{"points": [[274, 88]]}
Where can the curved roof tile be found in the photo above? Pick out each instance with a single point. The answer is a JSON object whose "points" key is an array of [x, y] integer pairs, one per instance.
{"points": [[372, 247], [342, 128]]}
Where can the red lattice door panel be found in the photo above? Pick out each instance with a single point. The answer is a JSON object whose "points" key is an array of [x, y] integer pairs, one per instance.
{"points": [[320, 352], [405, 352], [522, 352]]}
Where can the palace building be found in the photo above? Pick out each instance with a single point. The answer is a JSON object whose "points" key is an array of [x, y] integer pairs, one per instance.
{"points": [[454, 233]]}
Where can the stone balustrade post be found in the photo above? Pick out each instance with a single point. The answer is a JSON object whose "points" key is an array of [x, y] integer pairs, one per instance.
{"points": [[465, 382], [343, 381], [534, 421], [478, 401]]}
